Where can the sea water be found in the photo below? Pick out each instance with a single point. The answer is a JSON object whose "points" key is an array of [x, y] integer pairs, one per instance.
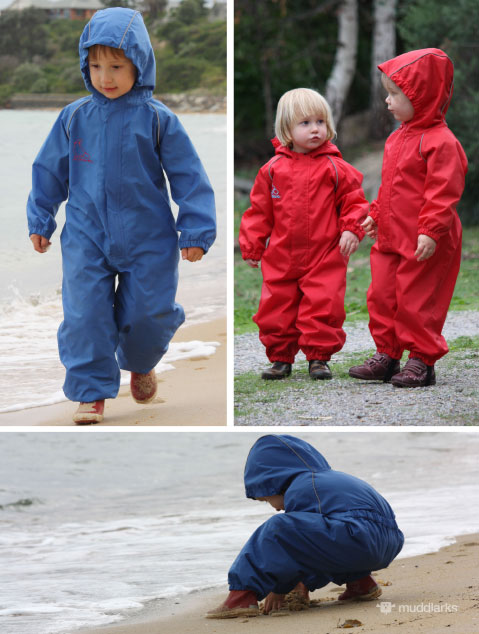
{"points": [[93, 528], [30, 283]]}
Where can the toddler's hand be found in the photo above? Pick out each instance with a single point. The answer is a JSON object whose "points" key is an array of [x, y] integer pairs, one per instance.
{"points": [[40, 243], [425, 247], [252, 263], [370, 228], [192, 254], [273, 602], [348, 243]]}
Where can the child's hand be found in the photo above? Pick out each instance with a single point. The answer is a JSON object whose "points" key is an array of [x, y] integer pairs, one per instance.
{"points": [[252, 263], [370, 228], [273, 602], [40, 243], [348, 243], [425, 247], [192, 254]]}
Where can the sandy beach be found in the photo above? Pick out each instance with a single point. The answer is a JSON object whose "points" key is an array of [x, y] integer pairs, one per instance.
{"points": [[194, 393], [436, 593]]}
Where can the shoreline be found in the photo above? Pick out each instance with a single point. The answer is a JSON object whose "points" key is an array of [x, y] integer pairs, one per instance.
{"points": [[203, 379], [435, 592]]}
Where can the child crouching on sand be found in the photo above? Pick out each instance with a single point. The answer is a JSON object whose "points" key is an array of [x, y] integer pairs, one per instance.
{"points": [[335, 528], [108, 154], [308, 202]]}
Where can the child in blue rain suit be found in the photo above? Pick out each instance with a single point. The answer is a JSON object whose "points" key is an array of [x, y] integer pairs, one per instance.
{"points": [[335, 528], [108, 154]]}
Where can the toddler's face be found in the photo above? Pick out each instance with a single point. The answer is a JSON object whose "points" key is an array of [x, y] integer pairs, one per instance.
{"points": [[112, 76], [276, 501], [398, 104], [309, 133]]}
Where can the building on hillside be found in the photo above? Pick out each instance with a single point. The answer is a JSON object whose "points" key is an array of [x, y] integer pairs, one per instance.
{"points": [[63, 9]]}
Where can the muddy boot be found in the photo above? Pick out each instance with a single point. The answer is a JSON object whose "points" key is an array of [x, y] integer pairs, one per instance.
{"points": [[365, 589], [143, 386], [89, 413], [380, 367], [238, 603], [319, 370], [278, 370], [415, 374]]}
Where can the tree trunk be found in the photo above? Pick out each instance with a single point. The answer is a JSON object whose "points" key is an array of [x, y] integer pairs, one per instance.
{"points": [[344, 67], [384, 48]]}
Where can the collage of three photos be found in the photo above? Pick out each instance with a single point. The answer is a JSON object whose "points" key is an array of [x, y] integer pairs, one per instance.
{"points": [[239, 317]]}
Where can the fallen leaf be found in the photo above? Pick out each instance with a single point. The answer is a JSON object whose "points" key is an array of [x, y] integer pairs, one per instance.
{"points": [[349, 623]]}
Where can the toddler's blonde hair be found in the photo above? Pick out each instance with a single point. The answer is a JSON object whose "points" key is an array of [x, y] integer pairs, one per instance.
{"points": [[296, 105]]}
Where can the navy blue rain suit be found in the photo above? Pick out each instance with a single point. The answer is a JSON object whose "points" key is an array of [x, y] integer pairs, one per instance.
{"points": [[109, 158], [335, 527]]}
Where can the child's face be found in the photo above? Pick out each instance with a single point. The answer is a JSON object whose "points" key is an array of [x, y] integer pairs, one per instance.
{"points": [[276, 501], [112, 76], [309, 133], [398, 104]]}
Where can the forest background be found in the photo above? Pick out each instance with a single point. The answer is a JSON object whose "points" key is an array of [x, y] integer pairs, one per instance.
{"points": [[40, 55]]}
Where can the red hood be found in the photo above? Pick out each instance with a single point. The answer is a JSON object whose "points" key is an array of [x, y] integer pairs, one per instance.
{"points": [[426, 78], [326, 148]]}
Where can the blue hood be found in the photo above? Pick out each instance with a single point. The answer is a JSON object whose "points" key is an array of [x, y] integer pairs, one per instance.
{"points": [[125, 29], [274, 461]]}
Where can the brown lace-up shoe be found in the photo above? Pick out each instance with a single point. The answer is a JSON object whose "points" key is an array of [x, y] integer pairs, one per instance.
{"points": [[415, 374], [380, 367], [278, 370], [319, 370]]}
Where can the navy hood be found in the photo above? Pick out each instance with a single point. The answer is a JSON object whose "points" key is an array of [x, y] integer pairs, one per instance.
{"points": [[274, 461], [125, 29]]}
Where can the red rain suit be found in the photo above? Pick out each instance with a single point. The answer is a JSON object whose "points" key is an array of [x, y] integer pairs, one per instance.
{"points": [[302, 203], [423, 174]]}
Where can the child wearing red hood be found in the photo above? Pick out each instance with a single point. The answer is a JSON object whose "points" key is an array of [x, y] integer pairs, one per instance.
{"points": [[304, 222], [416, 258]]}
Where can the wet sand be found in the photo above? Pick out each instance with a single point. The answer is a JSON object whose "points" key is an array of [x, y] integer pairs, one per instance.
{"points": [[435, 593], [194, 393]]}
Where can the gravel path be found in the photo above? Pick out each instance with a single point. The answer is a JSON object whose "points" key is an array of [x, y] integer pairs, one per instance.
{"points": [[454, 400]]}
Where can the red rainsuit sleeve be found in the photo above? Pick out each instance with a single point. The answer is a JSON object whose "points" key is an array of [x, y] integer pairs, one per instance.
{"points": [[257, 221], [350, 200], [446, 167], [374, 210]]}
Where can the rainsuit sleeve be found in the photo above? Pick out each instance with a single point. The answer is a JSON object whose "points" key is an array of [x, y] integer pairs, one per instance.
{"points": [[257, 221], [350, 200], [49, 181], [446, 166], [189, 184], [374, 210]]}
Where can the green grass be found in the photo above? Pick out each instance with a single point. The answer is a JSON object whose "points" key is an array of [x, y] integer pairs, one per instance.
{"points": [[248, 280]]}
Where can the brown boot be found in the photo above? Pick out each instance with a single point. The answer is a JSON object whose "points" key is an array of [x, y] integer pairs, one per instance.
{"points": [[143, 386], [238, 603], [380, 367], [365, 589], [415, 374], [319, 370], [278, 370]]}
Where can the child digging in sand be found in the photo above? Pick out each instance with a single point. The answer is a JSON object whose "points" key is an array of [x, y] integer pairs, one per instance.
{"points": [[309, 203], [416, 258], [108, 154], [335, 528]]}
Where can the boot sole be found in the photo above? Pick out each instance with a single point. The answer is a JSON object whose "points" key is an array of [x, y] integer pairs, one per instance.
{"points": [[321, 378], [397, 384], [268, 377], [374, 594], [382, 379], [234, 613]]}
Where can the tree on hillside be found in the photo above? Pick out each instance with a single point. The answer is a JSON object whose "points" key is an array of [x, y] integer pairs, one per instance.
{"points": [[339, 82], [384, 48], [154, 8]]}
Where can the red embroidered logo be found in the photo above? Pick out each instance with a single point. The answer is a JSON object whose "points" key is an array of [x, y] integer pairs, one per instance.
{"points": [[78, 154]]}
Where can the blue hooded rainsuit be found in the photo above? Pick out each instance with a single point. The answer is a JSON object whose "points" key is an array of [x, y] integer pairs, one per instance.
{"points": [[109, 158], [335, 527]]}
